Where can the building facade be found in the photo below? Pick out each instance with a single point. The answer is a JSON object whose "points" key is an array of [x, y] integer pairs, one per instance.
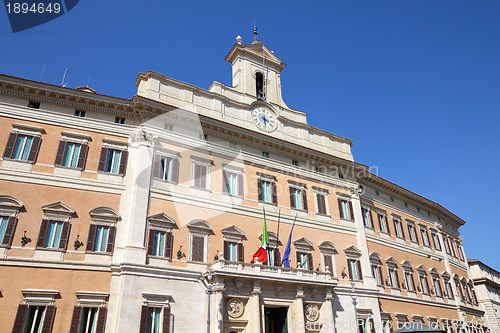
{"points": [[487, 283], [142, 215]]}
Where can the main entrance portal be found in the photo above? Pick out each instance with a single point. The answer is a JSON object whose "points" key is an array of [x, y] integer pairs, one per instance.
{"points": [[275, 320]]}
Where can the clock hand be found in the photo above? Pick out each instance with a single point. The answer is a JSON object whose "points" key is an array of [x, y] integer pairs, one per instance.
{"points": [[265, 120]]}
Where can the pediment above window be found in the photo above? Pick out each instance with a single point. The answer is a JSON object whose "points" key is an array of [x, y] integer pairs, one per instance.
{"points": [[303, 244], [58, 211], [200, 226], [273, 238], [422, 269], [233, 231], [352, 251], [445, 275], [375, 258], [10, 205], [104, 214], [434, 272], [391, 262], [328, 247], [162, 220], [406, 264]]}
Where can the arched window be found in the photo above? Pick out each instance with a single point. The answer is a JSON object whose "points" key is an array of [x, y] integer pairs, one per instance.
{"points": [[259, 84]]}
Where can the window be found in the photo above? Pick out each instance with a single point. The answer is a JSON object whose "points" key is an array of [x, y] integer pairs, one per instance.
{"points": [[354, 266], [367, 218], [7, 229], [319, 169], [155, 319], [166, 168], [435, 240], [410, 284], [267, 191], [346, 211], [37, 312], [119, 120], [259, 85], [22, 147], [160, 239], [398, 227], [452, 247], [265, 154], [200, 175], [71, 154], [232, 182], [35, 319], [88, 320], [437, 287], [321, 202], [449, 290], [295, 163], [198, 248], [233, 251], [328, 262], [460, 251], [377, 274], [298, 198], [447, 245], [34, 105], [425, 237], [424, 285], [302, 260], [53, 234], [412, 232], [79, 113], [113, 161], [393, 277], [382, 221]]}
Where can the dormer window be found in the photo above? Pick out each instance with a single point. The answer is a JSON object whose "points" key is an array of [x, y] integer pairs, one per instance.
{"points": [[259, 84]]}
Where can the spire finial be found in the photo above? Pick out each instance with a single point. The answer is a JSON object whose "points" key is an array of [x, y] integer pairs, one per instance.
{"points": [[254, 30]]}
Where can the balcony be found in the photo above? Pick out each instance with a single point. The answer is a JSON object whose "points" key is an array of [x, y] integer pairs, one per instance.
{"points": [[273, 273]]}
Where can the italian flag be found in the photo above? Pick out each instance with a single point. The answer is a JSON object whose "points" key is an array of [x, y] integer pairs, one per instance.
{"points": [[261, 254]]}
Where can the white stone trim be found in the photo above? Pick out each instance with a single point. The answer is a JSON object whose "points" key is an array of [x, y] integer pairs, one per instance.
{"points": [[75, 137], [91, 298], [41, 297], [28, 129], [156, 300]]}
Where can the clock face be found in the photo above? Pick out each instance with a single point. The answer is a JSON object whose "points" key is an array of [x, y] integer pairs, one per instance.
{"points": [[264, 119]]}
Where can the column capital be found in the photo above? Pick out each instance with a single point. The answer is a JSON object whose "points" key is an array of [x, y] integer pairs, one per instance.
{"points": [[142, 138]]}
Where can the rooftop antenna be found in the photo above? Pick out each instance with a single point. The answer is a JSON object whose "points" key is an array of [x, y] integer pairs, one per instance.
{"points": [[43, 70], [64, 76]]}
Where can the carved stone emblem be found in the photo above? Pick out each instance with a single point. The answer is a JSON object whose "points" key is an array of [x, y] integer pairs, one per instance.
{"points": [[235, 307], [311, 312]]}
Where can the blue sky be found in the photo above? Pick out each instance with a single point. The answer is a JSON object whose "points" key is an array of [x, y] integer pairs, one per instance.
{"points": [[414, 83]]}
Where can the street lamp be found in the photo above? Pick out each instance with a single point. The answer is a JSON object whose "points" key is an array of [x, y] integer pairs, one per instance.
{"points": [[352, 289], [209, 276]]}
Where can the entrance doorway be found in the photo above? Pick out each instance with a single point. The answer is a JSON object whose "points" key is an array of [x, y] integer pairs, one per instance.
{"points": [[275, 320]]}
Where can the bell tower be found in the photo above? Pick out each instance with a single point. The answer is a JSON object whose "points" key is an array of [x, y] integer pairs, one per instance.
{"points": [[256, 70]]}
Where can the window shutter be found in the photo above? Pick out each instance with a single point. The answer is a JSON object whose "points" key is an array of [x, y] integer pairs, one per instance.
{"points": [[259, 189], [169, 245], [63, 242], [198, 248], [91, 238], [22, 311], [360, 273], [274, 193], [427, 285], [341, 212], [226, 250], [397, 279], [241, 188], [151, 242], [277, 257], [175, 170], [82, 159], [203, 176], [9, 148], [380, 221], [123, 163], [328, 263], [103, 159], [75, 320], [395, 227], [310, 265], [372, 219], [48, 320], [101, 320], [409, 232], [197, 175], [292, 198], [428, 238], [9, 231], [304, 199], [402, 230], [156, 167], [60, 152], [111, 239], [351, 211], [320, 198], [144, 319], [35, 147], [416, 236], [412, 281], [43, 233], [298, 260], [224, 181], [349, 268], [241, 253], [166, 319]]}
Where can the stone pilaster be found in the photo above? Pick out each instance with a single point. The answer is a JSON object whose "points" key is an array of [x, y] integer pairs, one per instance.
{"points": [[253, 306]]}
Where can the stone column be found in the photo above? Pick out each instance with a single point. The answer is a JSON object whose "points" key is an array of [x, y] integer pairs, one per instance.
{"points": [[253, 308], [327, 315], [217, 308], [368, 279], [299, 320]]}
